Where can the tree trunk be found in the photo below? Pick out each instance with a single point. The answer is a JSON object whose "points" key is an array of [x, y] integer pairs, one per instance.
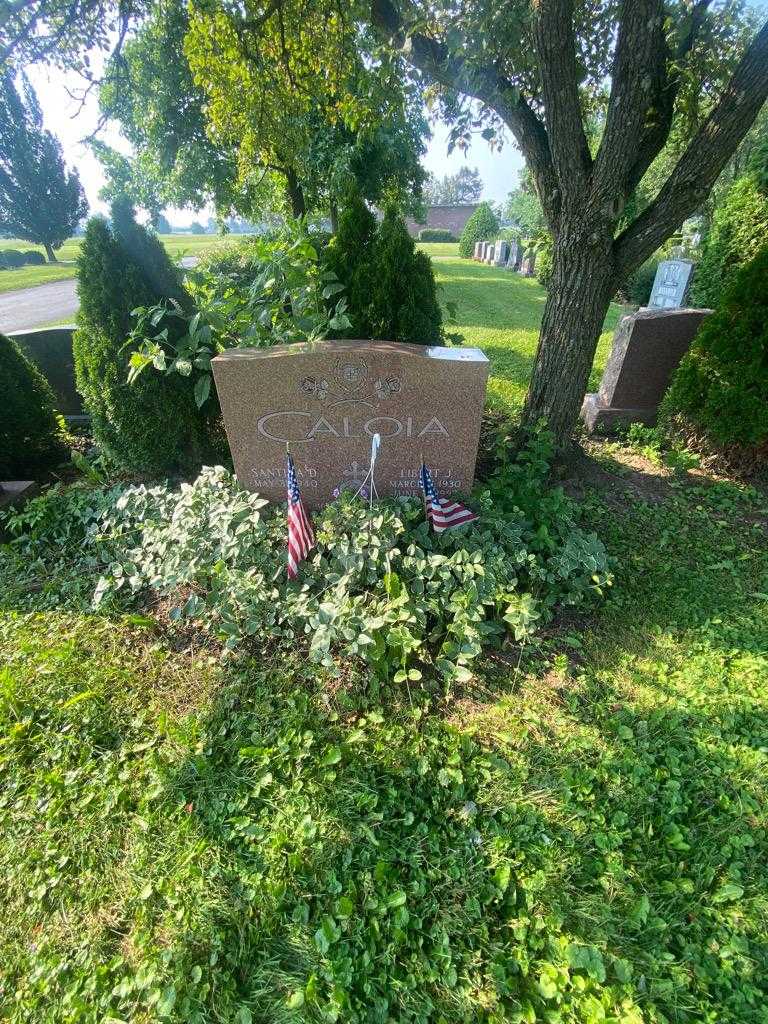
{"points": [[50, 253], [577, 301], [295, 194], [334, 217]]}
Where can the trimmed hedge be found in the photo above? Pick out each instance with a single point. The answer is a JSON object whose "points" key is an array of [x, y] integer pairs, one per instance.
{"points": [[152, 425], [721, 384], [30, 441], [436, 235], [482, 226], [11, 259]]}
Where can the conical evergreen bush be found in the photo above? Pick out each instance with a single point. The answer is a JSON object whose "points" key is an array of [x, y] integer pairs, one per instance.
{"points": [[30, 440]]}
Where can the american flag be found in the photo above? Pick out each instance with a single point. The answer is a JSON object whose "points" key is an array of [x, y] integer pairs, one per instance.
{"points": [[443, 513], [301, 534]]}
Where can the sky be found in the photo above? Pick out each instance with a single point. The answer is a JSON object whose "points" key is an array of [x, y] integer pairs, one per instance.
{"points": [[63, 116]]}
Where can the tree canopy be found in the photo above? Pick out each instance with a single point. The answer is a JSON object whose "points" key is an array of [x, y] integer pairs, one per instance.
{"points": [[218, 112], [465, 186], [40, 200]]}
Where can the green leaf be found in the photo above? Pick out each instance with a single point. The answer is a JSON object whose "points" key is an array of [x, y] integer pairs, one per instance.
{"points": [[202, 390], [332, 756], [397, 899], [728, 892]]}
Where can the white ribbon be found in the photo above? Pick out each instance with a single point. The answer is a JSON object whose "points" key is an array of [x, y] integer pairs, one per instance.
{"points": [[375, 445]]}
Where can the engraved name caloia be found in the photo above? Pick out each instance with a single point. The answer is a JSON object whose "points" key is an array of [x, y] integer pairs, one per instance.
{"points": [[300, 427]]}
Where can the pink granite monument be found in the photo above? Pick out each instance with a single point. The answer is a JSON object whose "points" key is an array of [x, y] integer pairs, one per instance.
{"points": [[327, 399]]}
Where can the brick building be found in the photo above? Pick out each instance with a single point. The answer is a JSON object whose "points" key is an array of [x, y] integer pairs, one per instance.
{"points": [[453, 218]]}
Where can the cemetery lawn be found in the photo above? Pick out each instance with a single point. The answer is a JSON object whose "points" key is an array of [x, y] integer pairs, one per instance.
{"points": [[29, 276], [577, 835], [499, 311]]}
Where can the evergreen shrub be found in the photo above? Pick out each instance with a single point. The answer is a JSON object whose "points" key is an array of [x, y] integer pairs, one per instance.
{"points": [[151, 425], [404, 304], [721, 385], [739, 230], [30, 440], [436, 235], [637, 289], [482, 226], [390, 286], [351, 256], [33, 258]]}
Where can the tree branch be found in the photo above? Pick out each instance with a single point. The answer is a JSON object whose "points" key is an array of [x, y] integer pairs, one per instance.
{"points": [[556, 46], [657, 130], [482, 83], [702, 162], [639, 78]]}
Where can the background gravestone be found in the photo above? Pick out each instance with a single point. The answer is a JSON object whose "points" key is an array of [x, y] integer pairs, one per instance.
{"points": [[528, 265], [647, 349], [671, 284], [501, 252], [476, 253], [329, 398], [513, 256], [490, 253]]}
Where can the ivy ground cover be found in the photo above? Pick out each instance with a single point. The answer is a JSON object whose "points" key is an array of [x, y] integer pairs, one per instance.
{"points": [[577, 835]]}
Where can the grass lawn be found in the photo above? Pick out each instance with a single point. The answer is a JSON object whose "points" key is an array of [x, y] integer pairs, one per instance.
{"points": [[499, 311], [577, 835], [28, 277]]}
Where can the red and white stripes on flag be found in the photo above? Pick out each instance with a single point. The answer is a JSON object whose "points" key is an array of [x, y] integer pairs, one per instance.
{"points": [[443, 513], [301, 533]]}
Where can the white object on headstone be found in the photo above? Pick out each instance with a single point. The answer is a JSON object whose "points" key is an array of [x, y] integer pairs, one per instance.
{"points": [[670, 286]]}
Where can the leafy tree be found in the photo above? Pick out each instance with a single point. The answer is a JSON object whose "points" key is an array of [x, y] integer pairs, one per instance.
{"points": [[722, 382], [524, 208], [29, 433], [481, 226], [40, 201], [162, 225], [465, 186], [291, 138], [539, 70]]}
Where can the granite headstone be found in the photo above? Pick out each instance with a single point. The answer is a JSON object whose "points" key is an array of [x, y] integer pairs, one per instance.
{"points": [[513, 256], [528, 265], [671, 284], [490, 253], [647, 348], [501, 252], [327, 399]]}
